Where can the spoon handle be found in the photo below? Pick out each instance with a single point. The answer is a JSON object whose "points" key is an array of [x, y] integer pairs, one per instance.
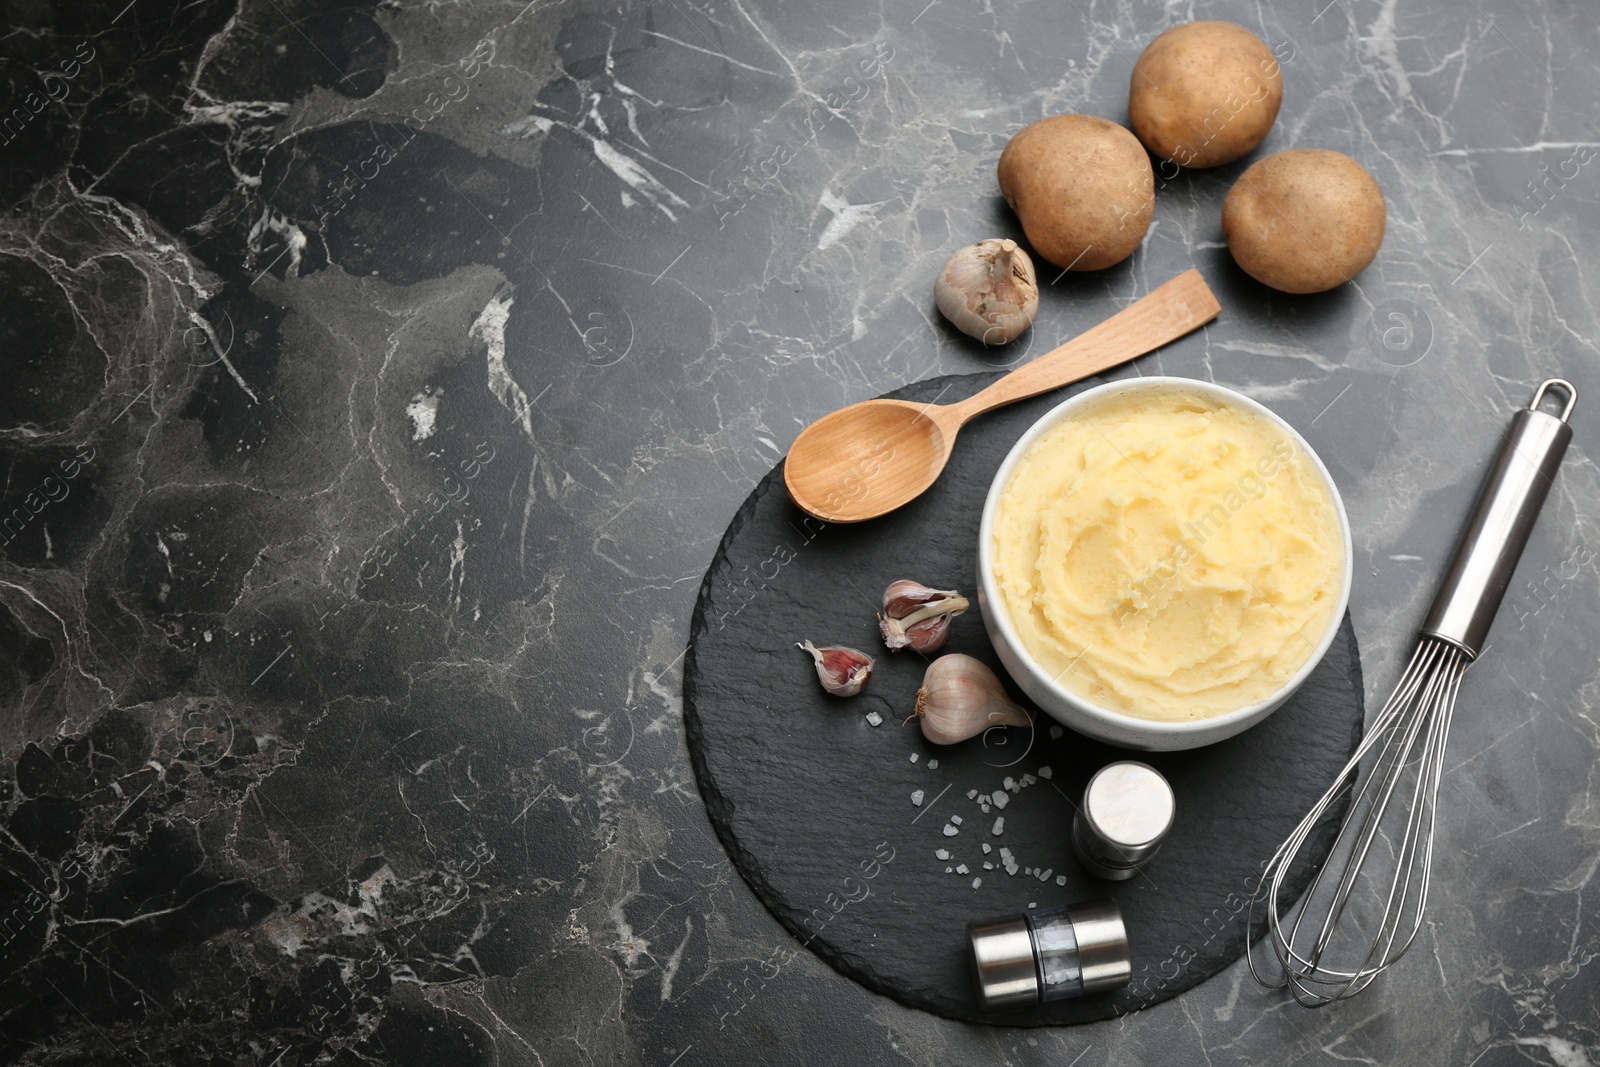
{"points": [[1164, 314]]}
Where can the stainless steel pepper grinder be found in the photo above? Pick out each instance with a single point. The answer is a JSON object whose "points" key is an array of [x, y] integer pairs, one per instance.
{"points": [[1048, 954]]}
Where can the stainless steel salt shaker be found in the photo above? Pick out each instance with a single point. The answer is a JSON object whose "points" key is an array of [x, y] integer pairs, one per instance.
{"points": [[1048, 954], [1126, 812]]}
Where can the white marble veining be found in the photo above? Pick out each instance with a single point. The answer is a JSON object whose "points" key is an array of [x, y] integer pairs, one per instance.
{"points": [[691, 228]]}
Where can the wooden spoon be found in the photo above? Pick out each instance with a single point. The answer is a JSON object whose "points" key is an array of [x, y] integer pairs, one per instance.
{"points": [[867, 459]]}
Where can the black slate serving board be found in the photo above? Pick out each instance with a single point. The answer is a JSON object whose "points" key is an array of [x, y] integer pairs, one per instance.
{"points": [[814, 804]]}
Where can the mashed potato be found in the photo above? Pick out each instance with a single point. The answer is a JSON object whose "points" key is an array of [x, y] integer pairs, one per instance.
{"points": [[1167, 555]]}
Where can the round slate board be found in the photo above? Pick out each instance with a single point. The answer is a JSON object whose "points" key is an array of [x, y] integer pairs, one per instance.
{"points": [[815, 805]]}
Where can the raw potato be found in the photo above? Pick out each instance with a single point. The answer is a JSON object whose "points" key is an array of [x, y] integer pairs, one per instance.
{"points": [[1204, 94], [1082, 187], [1304, 220]]}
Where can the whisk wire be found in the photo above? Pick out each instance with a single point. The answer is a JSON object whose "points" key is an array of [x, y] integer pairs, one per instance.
{"points": [[1409, 736], [1361, 829]]}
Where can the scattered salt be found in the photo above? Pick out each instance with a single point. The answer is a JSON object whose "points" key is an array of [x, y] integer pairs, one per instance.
{"points": [[874, 718], [949, 870], [913, 757], [1005, 853], [916, 798], [1033, 904], [933, 765], [976, 882], [1027, 779], [983, 807], [942, 854], [950, 831], [1028, 871], [999, 825], [956, 819], [1010, 782], [1061, 879], [961, 869], [1046, 772], [988, 866], [1048, 871], [1001, 798], [971, 793], [987, 848]]}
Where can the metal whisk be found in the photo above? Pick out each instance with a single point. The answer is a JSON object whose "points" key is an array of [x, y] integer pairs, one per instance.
{"points": [[1327, 952]]}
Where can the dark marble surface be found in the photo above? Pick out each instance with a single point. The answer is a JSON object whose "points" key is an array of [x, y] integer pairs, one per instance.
{"points": [[380, 378]]}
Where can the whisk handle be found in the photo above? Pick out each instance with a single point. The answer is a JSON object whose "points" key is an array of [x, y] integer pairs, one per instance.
{"points": [[1497, 530]]}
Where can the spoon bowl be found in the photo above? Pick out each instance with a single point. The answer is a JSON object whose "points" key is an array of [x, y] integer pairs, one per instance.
{"points": [[867, 459]]}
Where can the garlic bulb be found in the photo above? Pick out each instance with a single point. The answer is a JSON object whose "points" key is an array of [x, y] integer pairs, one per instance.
{"points": [[988, 290], [961, 698], [917, 617], [842, 671]]}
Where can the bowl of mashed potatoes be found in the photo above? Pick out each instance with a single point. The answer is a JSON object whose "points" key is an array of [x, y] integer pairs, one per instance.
{"points": [[1162, 562]]}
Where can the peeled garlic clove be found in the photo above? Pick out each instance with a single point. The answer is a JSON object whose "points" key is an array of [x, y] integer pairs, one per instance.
{"points": [[961, 698], [988, 290], [842, 671], [915, 616]]}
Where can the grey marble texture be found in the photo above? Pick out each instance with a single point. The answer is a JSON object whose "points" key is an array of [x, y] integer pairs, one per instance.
{"points": [[382, 375]]}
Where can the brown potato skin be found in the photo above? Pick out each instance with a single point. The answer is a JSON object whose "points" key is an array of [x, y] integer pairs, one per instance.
{"points": [[1082, 187], [1204, 93], [1304, 220]]}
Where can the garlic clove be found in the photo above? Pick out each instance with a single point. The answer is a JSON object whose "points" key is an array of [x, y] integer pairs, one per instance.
{"points": [[903, 597], [929, 634], [842, 671], [961, 698], [917, 617], [988, 290]]}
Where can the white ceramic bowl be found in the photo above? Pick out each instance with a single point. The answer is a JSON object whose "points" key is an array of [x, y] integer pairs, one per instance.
{"points": [[1073, 710]]}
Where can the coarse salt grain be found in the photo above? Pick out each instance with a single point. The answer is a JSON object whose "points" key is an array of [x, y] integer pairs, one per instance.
{"points": [[942, 854], [933, 765], [874, 718], [956, 819], [950, 831], [914, 757], [1046, 772], [916, 797], [976, 882], [1001, 799], [999, 826], [961, 869], [1061, 879]]}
